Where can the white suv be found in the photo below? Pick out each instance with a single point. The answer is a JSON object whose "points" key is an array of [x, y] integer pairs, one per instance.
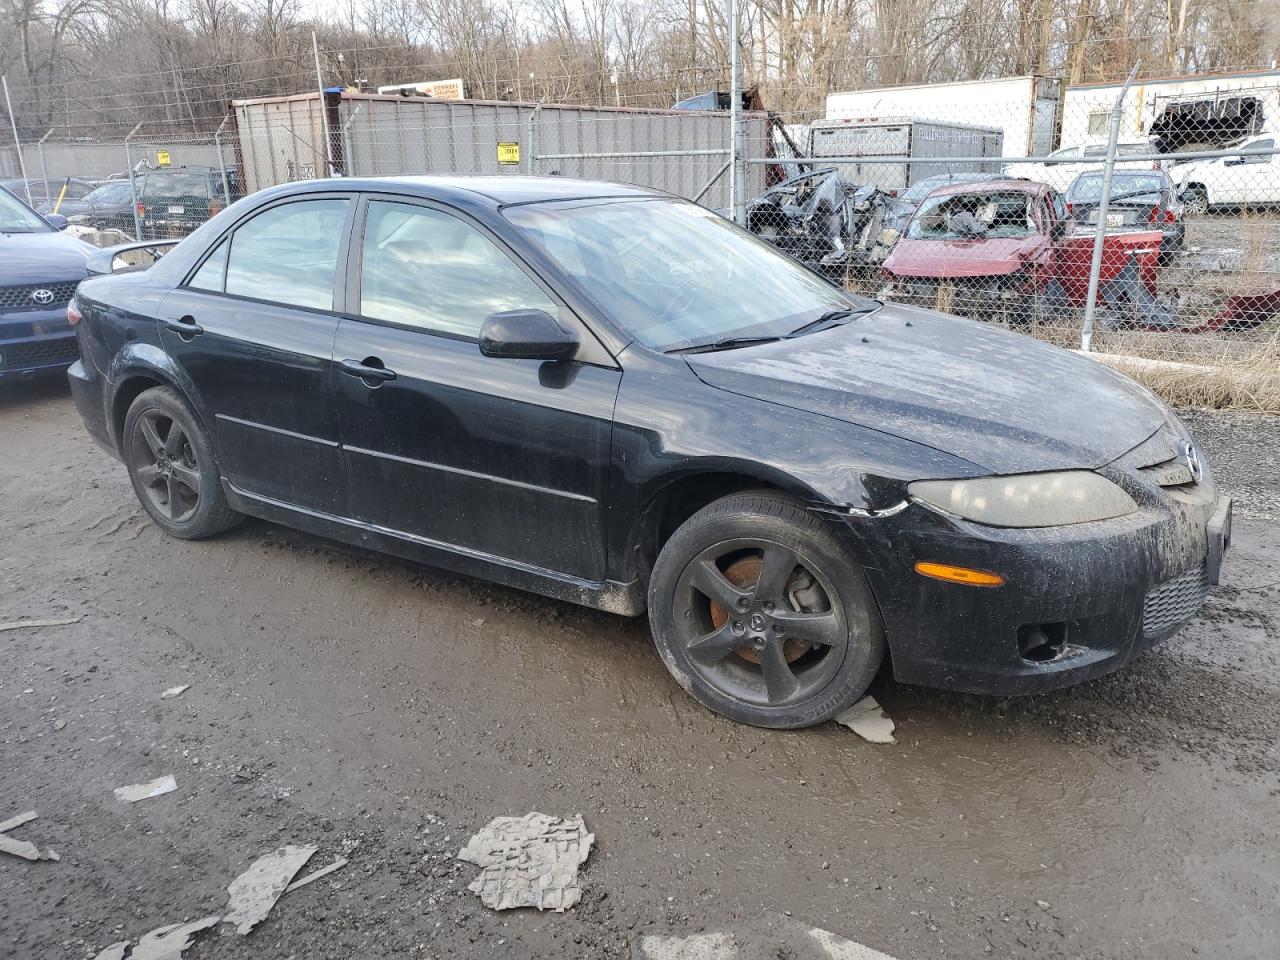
{"points": [[1250, 177], [1061, 167]]}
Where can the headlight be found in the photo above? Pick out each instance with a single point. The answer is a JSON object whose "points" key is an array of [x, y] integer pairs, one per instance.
{"points": [[1029, 500]]}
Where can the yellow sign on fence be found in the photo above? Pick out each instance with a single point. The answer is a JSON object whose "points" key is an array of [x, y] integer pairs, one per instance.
{"points": [[162, 158], [508, 153]]}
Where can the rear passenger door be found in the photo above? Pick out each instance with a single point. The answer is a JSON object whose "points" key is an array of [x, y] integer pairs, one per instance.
{"points": [[504, 458], [251, 330]]}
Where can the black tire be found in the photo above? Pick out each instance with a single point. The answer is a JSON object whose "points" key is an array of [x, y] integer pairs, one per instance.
{"points": [[174, 474], [821, 628]]}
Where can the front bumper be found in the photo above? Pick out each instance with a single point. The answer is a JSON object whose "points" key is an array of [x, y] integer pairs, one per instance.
{"points": [[33, 342], [1079, 602]]}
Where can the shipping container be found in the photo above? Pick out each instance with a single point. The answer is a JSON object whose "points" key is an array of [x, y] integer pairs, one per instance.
{"points": [[684, 152], [927, 143], [1025, 109]]}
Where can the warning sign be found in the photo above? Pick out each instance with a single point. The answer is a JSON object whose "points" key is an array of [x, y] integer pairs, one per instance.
{"points": [[508, 153], [162, 158]]}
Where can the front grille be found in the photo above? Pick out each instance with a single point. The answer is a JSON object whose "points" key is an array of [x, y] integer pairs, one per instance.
{"points": [[20, 297], [1174, 601], [23, 356]]}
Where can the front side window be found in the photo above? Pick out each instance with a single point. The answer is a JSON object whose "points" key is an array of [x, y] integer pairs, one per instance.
{"points": [[289, 254], [675, 275], [426, 268]]}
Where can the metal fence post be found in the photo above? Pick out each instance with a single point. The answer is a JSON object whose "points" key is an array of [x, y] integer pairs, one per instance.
{"points": [[738, 182], [222, 163], [347, 159], [1108, 170], [44, 167], [133, 184], [17, 144]]}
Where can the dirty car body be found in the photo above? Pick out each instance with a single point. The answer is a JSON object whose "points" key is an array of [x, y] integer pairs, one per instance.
{"points": [[375, 403]]}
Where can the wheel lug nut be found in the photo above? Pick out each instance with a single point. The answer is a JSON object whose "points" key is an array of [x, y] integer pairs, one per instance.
{"points": [[743, 603], [768, 606], [737, 627], [777, 629]]}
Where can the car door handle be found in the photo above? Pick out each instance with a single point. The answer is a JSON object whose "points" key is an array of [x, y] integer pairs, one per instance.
{"points": [[356, 368], [184, 326]]}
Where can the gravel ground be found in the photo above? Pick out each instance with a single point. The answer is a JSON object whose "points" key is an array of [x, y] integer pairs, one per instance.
{"points": [[384, 712]]}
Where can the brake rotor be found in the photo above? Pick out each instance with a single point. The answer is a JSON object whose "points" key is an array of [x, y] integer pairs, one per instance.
{"points": [[745, 573]]}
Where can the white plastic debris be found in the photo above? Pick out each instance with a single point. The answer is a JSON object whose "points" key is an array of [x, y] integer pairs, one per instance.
{"points": [[770, 935], [167, 943], [21, 848], [868, 720], [23, 624], [529, 861], [114, 952], [255, 892], [145, 791], [175, 691], [313, 877]]}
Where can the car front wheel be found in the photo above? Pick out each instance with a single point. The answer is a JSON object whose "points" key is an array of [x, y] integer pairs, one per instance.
{"points": [[760, 613], [170, 461]]}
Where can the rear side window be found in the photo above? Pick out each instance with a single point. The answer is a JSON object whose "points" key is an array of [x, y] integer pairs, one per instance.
{"points": [[212, 272], [428, 269], [288, 254]]}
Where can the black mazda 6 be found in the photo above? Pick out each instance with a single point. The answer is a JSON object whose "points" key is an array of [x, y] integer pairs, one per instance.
{"points": [[615, 397]]}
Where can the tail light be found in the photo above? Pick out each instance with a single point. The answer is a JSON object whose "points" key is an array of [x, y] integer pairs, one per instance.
{"points": [[1070, 208], [215, 207], [142, 211], [73, 312], [1154, 215], [1170, 216]]}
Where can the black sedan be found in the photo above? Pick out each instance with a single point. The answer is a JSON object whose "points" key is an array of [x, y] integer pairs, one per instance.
{"points": [[618, 398], [1138, 198]]}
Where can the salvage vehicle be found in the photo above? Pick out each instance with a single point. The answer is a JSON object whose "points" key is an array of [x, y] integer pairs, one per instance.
{"points": [[828, 225], [1249, 179], [39, 269], [108, 207], [799, 485], [1062, 166], [906, 203], [1008, 251], [173, 201], [1139, 198]]}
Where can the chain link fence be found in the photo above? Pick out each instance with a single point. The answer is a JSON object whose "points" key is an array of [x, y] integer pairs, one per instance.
{"points": [[958, 205]]}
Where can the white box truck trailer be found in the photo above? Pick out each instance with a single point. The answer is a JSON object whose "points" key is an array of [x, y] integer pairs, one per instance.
{"points": [[895, 152], [1024, 108]]}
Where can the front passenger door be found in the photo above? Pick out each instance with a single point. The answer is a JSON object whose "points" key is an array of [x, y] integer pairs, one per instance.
{"points": [[507, 458]]}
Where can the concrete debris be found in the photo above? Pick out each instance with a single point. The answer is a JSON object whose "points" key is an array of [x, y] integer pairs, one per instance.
{"points": [[255, 892], [312, 877], [145, 791], [868, 720], [175, 692], [21, 624], [21, 848], [769, 936], [529, 861]]}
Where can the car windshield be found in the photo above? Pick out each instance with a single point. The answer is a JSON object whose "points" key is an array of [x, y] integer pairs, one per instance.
{"points": [[675, 275], [17, 217], [177, 185], [922, 188], [1088, 189], [956, 216]]}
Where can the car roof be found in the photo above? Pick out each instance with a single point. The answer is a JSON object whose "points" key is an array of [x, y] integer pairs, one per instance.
{"points": [[1006, 185], [499, 189]]}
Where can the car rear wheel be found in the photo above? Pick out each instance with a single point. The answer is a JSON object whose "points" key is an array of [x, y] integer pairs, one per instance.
{"points": [[1197, 202], [762, 615], [171, 465]]}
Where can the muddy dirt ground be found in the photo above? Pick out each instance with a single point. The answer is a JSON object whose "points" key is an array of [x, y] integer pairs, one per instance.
{"points": [[386, 711]]}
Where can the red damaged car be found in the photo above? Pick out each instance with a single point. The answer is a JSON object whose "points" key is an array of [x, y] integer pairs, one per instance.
{"points": [[1007, 250]]}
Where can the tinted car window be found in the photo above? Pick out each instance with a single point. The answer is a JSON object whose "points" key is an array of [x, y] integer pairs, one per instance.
{"points": [[177, 185], [428, 269], [212, 272], [289, 254], [111, 193], [17, 217], [1088, 188]]}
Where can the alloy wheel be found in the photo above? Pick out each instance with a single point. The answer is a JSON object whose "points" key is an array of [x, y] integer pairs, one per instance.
{"points": [[759, 623], [164, 462]]}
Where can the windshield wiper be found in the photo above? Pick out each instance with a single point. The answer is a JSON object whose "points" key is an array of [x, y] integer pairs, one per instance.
{"points": [[830, 319], [727, 343]]}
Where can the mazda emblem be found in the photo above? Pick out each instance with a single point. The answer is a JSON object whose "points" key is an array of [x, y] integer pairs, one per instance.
{"points": [[1191, 457], [42, 295]]}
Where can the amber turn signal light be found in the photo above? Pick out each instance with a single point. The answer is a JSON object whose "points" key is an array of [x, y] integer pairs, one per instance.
{"points": [[966, 575]]}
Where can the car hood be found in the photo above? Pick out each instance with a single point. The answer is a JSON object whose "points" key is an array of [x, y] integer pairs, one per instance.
{"points": [[978, 257], [1000, 400], [43, 257]]}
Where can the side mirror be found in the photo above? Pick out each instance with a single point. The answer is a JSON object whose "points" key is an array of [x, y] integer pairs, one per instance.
{"points": [[56, 220], [526, 334]]}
